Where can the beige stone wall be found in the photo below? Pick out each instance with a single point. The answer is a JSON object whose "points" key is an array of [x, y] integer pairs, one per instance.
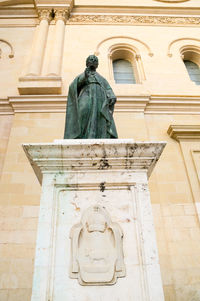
{"points": [[10, 68], [173, 187], [175, 215], [18, 225], [19, 185], [176, 220]]}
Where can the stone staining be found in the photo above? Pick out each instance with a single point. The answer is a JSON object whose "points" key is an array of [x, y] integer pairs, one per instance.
{"points": [[96, 249]]}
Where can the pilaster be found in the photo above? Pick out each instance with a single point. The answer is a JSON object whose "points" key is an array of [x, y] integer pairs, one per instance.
{"points": [[39, 43], [188, 137], [57, 50], [35, 81]]}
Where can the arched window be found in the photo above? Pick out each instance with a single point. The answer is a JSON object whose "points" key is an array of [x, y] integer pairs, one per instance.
{"points": [[125, 65], [191, 59], [123, 72], [193, 71]]}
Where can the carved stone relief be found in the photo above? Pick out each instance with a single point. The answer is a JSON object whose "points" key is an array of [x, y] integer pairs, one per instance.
{"points": [[127, 19], [96, 249]]}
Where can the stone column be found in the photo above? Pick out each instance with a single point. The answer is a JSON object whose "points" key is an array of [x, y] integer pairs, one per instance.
{"points": [[37, 55], [57, 50]]}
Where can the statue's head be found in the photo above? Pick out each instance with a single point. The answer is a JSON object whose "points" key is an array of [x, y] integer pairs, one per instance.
{"points": [[92, 62]]}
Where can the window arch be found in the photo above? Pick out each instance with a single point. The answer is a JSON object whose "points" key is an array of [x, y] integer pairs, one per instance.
{"points": [[125, 65], [191, 60]]}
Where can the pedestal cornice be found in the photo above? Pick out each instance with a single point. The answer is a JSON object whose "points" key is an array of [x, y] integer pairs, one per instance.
{"points": [[90, 155]]}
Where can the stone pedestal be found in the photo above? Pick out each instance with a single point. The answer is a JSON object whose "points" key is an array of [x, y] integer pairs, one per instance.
{"points": [[95, 206]]}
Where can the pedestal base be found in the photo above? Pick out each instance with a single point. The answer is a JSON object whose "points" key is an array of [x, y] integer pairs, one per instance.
{"points": [[110, 174]]}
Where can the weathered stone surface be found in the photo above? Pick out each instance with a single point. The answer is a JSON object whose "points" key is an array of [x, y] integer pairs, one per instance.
{"points": [[93, 154], [96, 248], [110, 174]]}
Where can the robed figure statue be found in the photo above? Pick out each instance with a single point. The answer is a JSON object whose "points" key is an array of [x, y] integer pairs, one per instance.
{"points": [[90, 105]]}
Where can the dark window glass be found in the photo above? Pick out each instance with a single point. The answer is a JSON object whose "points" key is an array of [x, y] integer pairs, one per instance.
{"points": [[123, 72], [193, 71]]}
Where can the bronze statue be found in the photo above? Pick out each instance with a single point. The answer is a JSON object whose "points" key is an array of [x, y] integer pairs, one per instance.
{"points": [[90, 105]]}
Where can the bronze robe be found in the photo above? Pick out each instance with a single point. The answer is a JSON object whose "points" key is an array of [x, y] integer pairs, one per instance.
{"points": [[89, 114]]}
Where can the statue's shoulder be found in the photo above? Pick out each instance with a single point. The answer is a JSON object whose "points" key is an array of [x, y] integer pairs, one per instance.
{"points": [[100, 76], [81, 75], [101, 79], [76, 79]]}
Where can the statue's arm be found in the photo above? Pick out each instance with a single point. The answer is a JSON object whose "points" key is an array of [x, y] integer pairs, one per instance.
{"points": [[83, 79], [111, 98], [109, 92]]}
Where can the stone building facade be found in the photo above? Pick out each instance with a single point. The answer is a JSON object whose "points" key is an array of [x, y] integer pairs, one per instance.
{"points": [[43, 46]]}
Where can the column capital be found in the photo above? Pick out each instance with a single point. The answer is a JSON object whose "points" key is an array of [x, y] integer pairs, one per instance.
{"points": [[137, 56], [53, 6], [61, 14], [45, 14]]}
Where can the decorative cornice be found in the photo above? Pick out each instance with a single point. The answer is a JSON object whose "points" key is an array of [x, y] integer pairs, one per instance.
{"points": [[182, 132], [146, 104], [133, 20], [44, 14], [25, 16], [61, 5], [38, 103], [61, 14], [170, 104]]}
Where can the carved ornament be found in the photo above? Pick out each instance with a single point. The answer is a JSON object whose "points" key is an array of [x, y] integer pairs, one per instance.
{"points": [[116, 19], [96, 249], [61, 14], [45, 14]]}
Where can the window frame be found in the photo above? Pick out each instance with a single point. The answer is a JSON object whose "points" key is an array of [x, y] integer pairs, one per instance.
{"points": [[192, 54], [125, 52]]}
